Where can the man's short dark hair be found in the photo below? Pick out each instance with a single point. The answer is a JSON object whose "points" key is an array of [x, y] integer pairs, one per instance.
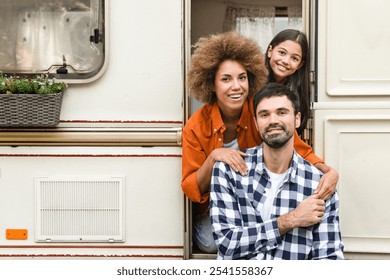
{"points": [[276, 89]]}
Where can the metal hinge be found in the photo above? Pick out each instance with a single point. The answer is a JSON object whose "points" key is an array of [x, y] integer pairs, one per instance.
{"points": [[312, 77]]}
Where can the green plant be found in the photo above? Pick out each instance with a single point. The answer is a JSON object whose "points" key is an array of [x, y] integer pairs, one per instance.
{"points": [[27, 85]]}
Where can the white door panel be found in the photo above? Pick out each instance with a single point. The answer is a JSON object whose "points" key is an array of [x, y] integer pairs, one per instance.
{"points": [[352, 118], [356, 142], [353, 44]]}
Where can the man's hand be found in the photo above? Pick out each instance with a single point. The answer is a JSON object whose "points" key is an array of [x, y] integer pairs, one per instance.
{"points": [[309, 212]]}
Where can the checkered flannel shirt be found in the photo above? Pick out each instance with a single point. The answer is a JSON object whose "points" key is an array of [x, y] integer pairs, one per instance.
{"points": [[241, 233]]}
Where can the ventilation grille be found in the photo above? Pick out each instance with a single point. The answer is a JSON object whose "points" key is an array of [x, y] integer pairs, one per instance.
{"points": [[79, 209]]}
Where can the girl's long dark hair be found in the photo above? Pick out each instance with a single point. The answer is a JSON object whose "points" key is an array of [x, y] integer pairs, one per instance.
{"points": [[298, 82]]}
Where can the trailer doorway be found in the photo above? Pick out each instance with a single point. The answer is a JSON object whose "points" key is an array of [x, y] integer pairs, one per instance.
{"points": [[259, 20]]}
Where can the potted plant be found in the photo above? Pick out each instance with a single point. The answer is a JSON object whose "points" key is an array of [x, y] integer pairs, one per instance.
{"points": [[30, 101]]}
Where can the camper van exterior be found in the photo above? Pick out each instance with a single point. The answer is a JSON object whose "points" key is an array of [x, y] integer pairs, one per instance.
{"points": [[105, 181]]}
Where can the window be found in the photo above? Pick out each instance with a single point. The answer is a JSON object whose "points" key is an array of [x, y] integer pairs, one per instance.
{"points": [[262, 23], [62, 38]]}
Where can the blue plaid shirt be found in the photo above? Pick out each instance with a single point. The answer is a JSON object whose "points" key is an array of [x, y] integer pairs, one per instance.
{"points": [[241, 233]]}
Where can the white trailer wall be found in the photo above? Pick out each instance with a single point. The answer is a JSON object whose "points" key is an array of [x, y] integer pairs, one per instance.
{"points": [[126, 123]]}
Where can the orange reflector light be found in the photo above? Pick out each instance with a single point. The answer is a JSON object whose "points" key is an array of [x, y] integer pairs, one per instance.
{"points": [[16, 234]]}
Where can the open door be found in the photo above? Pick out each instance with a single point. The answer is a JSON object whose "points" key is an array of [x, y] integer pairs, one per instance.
{"points": [[259, 20]]}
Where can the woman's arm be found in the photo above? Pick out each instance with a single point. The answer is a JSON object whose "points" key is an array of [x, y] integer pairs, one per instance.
{"points": [[197, 166]]}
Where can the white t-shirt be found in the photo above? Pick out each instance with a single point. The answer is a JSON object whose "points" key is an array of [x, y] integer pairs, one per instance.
{"points": [[233, 144], [276, 183]]}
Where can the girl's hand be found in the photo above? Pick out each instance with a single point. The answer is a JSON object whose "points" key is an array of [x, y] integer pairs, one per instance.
{"points": [[327, 184]]}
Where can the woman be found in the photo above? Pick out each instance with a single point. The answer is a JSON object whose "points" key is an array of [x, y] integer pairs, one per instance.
{"points": [[226, 71]]}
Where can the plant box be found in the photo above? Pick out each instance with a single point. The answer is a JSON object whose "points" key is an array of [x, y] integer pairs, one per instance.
{"points": [[30, 110]]}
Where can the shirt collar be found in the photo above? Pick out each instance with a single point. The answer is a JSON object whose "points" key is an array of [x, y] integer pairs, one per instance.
{"points": [[246, 115], [216, 118], [292, 171], [242, 122]]}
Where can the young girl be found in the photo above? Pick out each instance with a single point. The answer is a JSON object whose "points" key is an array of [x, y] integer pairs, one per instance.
{"points": [[226, 71], [288, 62]]}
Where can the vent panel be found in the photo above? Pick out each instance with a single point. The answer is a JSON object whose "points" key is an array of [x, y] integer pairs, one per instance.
{"points": [[79, 209]]}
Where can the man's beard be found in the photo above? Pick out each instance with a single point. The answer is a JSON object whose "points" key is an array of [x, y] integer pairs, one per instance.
{"points": [[276, 140]]}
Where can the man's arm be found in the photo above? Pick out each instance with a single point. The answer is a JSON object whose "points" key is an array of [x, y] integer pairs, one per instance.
{"points": [[309, 212], [327, 242]]}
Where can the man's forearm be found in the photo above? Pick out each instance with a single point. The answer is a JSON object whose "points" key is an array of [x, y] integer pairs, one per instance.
{"points": [[309, 212]]}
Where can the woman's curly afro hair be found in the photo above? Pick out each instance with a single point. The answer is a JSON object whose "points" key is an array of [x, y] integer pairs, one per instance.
{"points": [[212, 50]]}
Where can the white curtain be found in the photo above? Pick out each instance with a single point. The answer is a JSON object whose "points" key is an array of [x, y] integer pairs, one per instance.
{"points": [[259, 22], [36, 35], [295, 18], [45, 38], [255, 22]]}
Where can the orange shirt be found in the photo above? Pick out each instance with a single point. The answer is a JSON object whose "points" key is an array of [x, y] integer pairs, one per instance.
{"points": [[204, 132]]}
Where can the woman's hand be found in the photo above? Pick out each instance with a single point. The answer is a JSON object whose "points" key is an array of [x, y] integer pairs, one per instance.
{"points": [[328, 182], [231, 157]]}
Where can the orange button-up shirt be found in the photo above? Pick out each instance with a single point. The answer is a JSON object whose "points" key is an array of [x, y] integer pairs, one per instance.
{"points": [[204, 132]]}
